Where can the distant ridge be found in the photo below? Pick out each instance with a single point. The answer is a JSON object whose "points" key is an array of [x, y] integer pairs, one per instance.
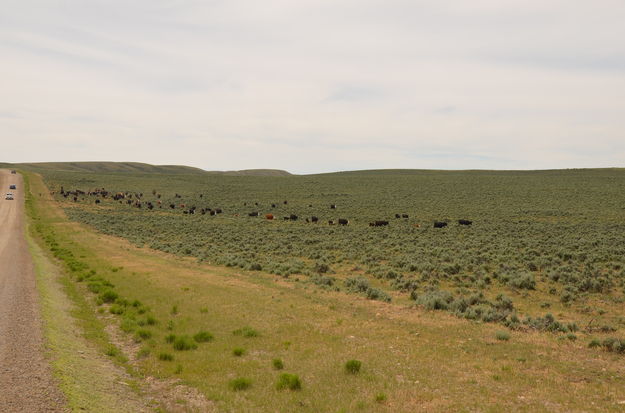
{"points": [[135, 167]]}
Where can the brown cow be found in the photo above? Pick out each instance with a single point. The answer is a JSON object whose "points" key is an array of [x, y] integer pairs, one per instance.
{"points": [[269, 216]]}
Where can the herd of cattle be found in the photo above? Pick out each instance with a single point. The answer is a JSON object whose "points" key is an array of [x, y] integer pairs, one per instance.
{"points": [[136, 200]]}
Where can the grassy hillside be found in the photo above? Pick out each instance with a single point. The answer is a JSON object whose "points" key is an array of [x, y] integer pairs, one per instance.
{"points": [[133, 167]]}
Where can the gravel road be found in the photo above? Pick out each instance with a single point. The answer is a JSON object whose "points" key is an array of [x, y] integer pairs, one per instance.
{"points": [[26, 382]]}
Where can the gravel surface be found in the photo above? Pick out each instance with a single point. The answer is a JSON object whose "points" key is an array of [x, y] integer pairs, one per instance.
{"points": [[26, 381]]}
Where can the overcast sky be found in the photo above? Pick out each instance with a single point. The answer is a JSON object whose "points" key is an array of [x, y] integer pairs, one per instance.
{"points": [[315, 85]]}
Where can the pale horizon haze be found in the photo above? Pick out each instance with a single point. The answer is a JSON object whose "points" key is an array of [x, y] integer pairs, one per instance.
{"points": [[315, 86]]}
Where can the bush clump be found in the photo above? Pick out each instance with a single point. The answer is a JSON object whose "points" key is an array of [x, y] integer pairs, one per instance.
{"points": [[502, 335], [238, 352], [203, 337], [278, 364], [289, 381], [108, 296], [240, 383], [183, 343], [353, 366]]}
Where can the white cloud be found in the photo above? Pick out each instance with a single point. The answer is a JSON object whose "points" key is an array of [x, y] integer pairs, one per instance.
{"points": [[317, 85]]}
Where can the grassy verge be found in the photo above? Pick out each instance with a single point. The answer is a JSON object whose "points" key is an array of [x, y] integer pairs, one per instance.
{"points": [[220, 330], [74, 336]]}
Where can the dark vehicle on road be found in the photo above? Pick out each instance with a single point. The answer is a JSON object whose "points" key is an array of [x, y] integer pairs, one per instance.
{"points": [[12, 187], [14, 172]]}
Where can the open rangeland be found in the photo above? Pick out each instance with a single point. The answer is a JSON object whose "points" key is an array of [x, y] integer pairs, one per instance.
{"points": [[284, 315]]}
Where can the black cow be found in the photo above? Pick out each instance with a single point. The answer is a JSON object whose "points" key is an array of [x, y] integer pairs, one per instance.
{"points": [[464, 222], [333, 206], [253, 214], [273, 205], [213, 212], [285, 202], [172, 206], [97, 201], [378, 223], [286, 218], [293, 217], [330, 222], [397, 216], [343, 221], [404, 215], [438, 224], [314, 219], [218, 210]]}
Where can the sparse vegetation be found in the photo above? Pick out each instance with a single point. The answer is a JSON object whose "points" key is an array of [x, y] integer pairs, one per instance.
{"points": [[477, 273], [277, 364], [502, 335], [240, 383]]}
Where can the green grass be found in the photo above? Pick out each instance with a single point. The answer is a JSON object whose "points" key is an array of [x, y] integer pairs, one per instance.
{"points": [[240, 383], [289, 381], [353, 366], [203, 337]]}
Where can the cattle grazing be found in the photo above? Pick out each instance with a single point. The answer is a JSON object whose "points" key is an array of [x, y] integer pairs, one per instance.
{"points": [[286, 218], [397, 216], [464, 222], [212, 212], [253, 214], [244, 203], [378, 223], [343, 221], [307, 220], [201, 195], [273, 205], [285, 202], [330, 222], [438, 224], [97, 201], [256, 203], [182, 205], [218, 210], [333, 206], [293, 217], [314, 219], [75, 199], [309, 205], [269, 216], [404, 215], [417, 226], [172, 206]]}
